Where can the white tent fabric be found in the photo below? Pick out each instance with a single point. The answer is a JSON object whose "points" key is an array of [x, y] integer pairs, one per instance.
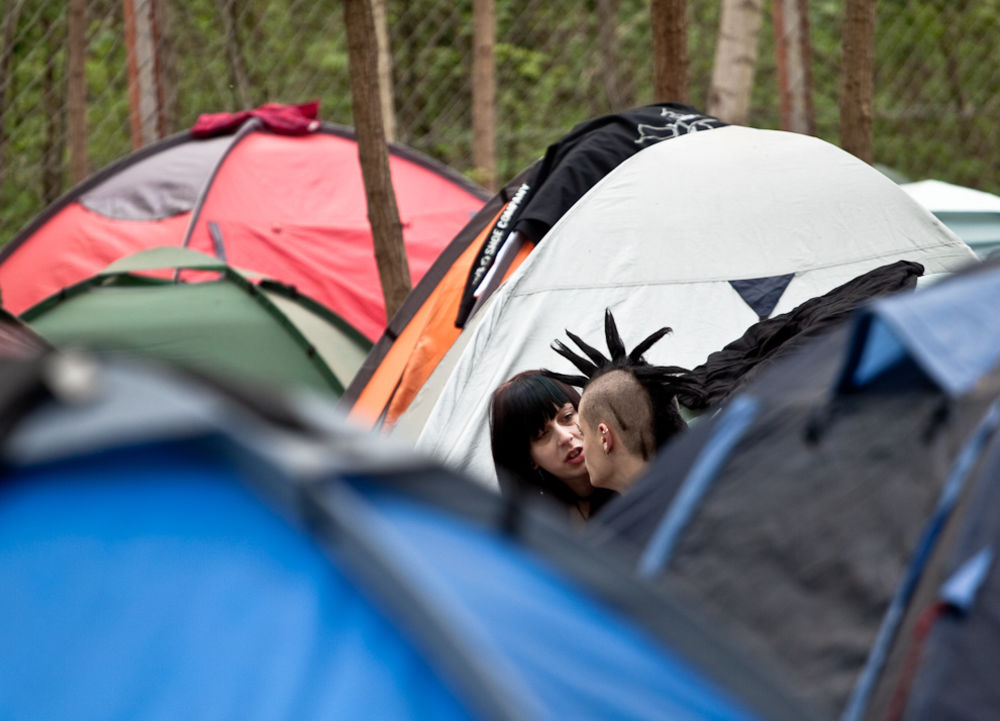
{"points": [[974, 215], [937, 195], [657, 241]]}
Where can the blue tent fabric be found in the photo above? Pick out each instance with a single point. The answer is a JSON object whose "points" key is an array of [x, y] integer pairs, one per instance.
{"points": [[233, 568], [957, 662], [960, 590], [735, 420], [558, 628], [948, 330], [150, 584], [951, 492]]}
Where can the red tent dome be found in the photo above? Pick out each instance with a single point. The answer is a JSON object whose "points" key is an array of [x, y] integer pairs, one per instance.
{"points": [[290, 206]]}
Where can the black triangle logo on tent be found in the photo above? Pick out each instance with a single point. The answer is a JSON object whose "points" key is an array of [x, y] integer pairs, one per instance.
{"points": [[762, 294]]}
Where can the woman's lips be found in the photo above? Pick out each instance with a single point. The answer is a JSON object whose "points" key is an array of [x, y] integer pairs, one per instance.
{"points": [[575, 456]]}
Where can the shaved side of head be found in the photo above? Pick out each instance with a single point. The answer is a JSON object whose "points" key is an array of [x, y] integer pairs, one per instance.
{"points": [[617, 398]]}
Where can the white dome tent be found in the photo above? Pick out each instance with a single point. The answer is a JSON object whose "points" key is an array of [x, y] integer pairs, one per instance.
{"points": [[674, 236]]}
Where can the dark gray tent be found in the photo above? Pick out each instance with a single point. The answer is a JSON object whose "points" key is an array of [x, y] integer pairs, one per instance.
{"points": [[838, 514], [17, 339]]}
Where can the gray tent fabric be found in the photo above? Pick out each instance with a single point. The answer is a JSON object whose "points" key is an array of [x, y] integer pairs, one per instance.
{"points": [[17, 338], [158, 186], [826, 513], [955, 675]]}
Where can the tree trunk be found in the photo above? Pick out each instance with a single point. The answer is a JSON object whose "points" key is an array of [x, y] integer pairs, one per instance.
{"points": [[145, 94], [76, 89], [239, 77], [735, 60], [167, 64], [618, 86], [385, 85], [858, 79], [484, 124], [383, 213], [670, 55], [55, 137], [794, 60], [12, 11]]}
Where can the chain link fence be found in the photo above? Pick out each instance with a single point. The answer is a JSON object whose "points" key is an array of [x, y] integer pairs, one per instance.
{"points": [[559, 62]]}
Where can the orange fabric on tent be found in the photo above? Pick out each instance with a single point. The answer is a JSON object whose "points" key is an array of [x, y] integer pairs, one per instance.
{"points": [[423, 343]]}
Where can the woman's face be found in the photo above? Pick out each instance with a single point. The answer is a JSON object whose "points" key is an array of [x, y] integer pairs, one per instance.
{"points": [[558, 447]]}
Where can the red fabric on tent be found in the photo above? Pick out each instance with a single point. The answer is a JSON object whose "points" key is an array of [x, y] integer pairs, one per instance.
{"points": [[285, 119], [281, 213], [74, 245], [291, 207]]}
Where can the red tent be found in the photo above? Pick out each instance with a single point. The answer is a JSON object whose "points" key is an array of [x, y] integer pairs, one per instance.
{"points": [[282, 198]]}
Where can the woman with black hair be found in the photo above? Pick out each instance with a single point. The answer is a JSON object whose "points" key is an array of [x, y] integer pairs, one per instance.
{"points": [[537, 445]]}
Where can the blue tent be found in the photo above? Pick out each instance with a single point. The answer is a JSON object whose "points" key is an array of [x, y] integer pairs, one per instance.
{"points": [[174, 548], [840, 512]]}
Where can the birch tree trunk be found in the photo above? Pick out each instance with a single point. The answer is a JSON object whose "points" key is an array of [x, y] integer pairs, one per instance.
{"points": [[145, 94], [385, 86], [383, 213], [76, 89], [735, 60], [858, 79], [670, 54], [794, 61], [484, 125]]}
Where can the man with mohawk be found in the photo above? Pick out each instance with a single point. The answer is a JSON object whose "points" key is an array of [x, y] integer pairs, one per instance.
{"points": [[628, 407]]}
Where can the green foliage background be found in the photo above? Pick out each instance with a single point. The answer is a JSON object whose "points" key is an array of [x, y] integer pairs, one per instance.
{"points": [[937, 80]]}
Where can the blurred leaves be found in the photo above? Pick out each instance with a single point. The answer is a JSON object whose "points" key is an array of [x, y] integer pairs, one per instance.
{"points": [[937, 81]]}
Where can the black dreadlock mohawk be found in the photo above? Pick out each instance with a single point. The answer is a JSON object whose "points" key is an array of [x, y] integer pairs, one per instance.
{"points": [[596, 364], [663, 383]]}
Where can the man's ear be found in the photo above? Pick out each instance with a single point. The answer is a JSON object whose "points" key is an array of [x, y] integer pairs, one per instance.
{"points": [[607, 437]]}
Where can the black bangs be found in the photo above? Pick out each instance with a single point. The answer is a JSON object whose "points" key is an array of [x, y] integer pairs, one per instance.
{"points": [[520, 408], [535, 402]]}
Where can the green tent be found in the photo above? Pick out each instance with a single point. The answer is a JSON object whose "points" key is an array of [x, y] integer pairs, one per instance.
{"points": [[228, 326]]}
